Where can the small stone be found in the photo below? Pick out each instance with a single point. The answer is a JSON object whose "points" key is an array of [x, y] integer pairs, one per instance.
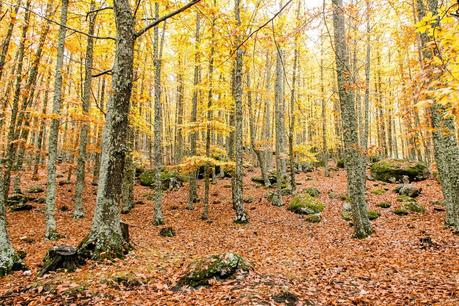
{"points": [[347, 206]]}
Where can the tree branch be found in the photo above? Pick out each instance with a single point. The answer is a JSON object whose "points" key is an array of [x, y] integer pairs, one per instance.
{"points": [[59, 24], [165, 17], [98, 10]]}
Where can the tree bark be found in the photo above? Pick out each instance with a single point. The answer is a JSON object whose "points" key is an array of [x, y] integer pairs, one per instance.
{"points": [[241, 215], [81, 164], [105, 239], [355, 163], [193, 197]]}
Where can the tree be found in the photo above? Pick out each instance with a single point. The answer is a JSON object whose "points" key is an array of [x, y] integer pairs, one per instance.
{"points": [[355, 163], [238, 203], [81, 166]]}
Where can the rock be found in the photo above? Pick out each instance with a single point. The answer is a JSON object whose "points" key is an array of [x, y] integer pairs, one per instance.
{"points": [[413, 207], [346, 215], [261, 181], [400, 212], [169, 180], [60, 257], [305, 204], [384, 204], [378, 191], [286, 298], [248, 199], [388, 170], [128, 280], [21, 207], [347, 206], [222, 266], [167, 232], [315, 218], [312, 191], [408, 190], [373, 215]]}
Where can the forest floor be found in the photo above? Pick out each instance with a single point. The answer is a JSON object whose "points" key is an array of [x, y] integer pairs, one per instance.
{"points": [[320, 264]]}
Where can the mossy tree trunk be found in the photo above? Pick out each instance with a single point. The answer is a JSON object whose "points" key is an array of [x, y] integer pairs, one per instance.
{"points": [[51, 231], [192, 196], [105, 239], [355, 162], [241, 215], [446, 150], [81, 164]]}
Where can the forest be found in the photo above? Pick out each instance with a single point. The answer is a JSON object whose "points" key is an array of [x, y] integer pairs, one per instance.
{"points": [[239, 152]]}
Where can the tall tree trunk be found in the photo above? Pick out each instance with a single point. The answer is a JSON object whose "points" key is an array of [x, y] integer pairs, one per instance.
{"points": [[192, 196], [51, 231], [81, 165], [241, 215], [444, 135], [157, 140], [355, 163], [205, 213], [105, 239], [179, 117], [324, 109], [267, 124], [279, 120], [366, 124], [13, 127]]}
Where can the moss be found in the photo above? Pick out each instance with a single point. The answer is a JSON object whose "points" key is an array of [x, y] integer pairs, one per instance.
{"points": [[413, 207], [216, 266], [316, 218], [378, 191], [312, 191], [305, 204], [373, 215], [35, 189], [387, 169], [128, 279], [384, 204], [405, 198], [147, 178], [346, 215], [400, 212]]}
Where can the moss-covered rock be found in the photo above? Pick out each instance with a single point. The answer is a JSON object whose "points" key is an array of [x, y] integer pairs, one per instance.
{"points": [[373, 215], [400, 211], [169, 179], [384, 204], [128, 279], [413, 207], [378, 191], [312, 191], [219, 267], [315, 218], [388, 169], [346, 215], [259, 180], [405, 198], [304, 204]]}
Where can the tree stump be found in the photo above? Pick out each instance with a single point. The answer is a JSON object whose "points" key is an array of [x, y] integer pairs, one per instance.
{"points": [[60, 257]]}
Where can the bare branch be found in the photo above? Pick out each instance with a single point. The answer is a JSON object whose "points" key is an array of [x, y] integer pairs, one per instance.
{"points": [[165, 17], [108, 71], [98, 10]]}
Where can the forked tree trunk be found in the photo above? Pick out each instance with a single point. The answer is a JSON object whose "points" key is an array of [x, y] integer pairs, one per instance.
{"points": [[355, 162]]}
